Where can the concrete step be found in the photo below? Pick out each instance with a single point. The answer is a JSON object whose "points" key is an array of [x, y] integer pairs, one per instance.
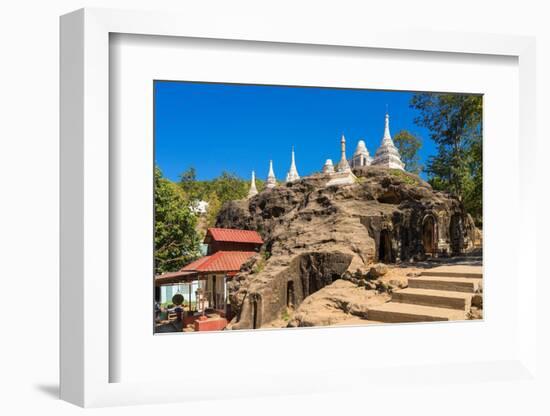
{"points": [[452, 284], [402, 312], [437, 298], [475, 272]]}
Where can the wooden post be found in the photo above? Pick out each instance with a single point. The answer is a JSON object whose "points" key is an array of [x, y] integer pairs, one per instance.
{"points": [[214, 292], [225, 295]]}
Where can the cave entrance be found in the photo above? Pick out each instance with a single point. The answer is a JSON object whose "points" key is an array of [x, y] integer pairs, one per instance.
{"points": [[254, 314], [429, 235], [290, 300], [384, 247], [456, 233]]}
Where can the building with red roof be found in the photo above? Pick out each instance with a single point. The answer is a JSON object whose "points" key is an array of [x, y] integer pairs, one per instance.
{"points": [[222, 261], [228, 250], [226, 239]]}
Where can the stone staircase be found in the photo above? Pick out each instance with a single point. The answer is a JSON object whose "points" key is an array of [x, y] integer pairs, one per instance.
{"points": [[439, 294]]}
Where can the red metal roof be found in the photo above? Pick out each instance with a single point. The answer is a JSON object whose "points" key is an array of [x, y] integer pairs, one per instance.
{"points": [[222, 261], [234, 236], [194, 265]]}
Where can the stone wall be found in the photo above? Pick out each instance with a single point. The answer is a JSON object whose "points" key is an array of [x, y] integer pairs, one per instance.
{"points": [[263, 300]]}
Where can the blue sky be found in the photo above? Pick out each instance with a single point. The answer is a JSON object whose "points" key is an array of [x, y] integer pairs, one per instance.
{"points": [[239, 128]]}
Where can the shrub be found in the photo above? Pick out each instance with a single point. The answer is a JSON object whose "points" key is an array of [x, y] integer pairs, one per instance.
{"points": [[384, 287], [259, 265], [285, 316], [407, 178]]}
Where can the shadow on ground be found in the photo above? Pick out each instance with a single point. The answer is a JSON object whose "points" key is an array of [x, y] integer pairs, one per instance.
{"points": [[51, 390], [475, 258]]}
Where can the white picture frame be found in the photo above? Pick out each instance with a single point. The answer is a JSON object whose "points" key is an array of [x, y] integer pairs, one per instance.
{"points": [[85, 348]]}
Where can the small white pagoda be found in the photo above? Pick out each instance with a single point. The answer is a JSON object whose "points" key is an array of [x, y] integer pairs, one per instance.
{"points": [[387, 155], [252, 191], [271, 181], [343, 165], [361, 157], [292, 174], [343, 174], [328, 167]]}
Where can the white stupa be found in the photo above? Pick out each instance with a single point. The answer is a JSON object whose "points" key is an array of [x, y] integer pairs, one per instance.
{"points": [[252, 191], [343, 174], [292, 174], [343, 165], [361, 157], [271, 179], [387, 154], [328, 167]]}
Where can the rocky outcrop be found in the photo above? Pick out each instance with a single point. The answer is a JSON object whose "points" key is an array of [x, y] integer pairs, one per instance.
{"points": [[313, 233], [260, 293], [378, 270], [336, 304]]}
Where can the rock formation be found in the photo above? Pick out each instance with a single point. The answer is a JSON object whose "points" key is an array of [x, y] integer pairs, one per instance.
{"points": [[315, 233]]}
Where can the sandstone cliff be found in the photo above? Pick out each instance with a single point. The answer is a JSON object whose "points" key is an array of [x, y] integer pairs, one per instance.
{"points": [[314, 234]]}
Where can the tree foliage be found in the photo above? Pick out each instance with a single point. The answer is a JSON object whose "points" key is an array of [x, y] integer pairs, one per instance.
{"points": [[408, 145], [218, 191], [455, 124], [176, 239], [214, 206]]}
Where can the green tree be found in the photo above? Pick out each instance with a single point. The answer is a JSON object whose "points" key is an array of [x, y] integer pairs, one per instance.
{"points": [[190, 175], [226, 187], [189, 184], [229, 187], [218, 191], [176, 239], [408, 146], [473, 196], [214, 206], [455, 124]]}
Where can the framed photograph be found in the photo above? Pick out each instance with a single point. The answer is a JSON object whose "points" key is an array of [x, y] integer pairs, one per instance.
{"points": [[298, 199], [366, 240]]}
